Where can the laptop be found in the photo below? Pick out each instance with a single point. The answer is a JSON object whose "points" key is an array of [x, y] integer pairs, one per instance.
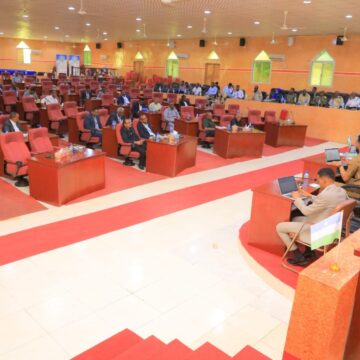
{"points": [[332, 155], [287, 185]]}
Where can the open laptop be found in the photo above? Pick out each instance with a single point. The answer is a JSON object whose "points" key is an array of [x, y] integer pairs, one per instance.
{"points": [[332, 155], [287, 185]]}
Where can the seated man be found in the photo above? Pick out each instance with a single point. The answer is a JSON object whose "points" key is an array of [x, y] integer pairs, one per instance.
{"points": [[336, 101], [144, 128], [236, 120], [228, 90], [212, 91], [291, 96], [353, 102], [319, 99], [86, 94], [31, 92], [116, 117], [92, 122], [304, 98], [123, 99], [184, 101], [197, 90], [209, 127], [12, 124], [129, 136], [51, 99], [170, 115], [351, 175], [257, 94], [101, 92], [155, 105], [238, 93], [322, 206]]}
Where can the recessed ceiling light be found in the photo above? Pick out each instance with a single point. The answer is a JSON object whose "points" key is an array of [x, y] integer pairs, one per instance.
{"points": [[67, 36], [56, 28], [349, 16], [178, 35], [106, 39], [105, 33], [294, 30], [25, 16], [138, 30], [71, 8], [229, 33], [88, 24], [2, 33], [189, 26], [257, 22], [207, 12], [138, 19], [307, 1], [45, 37]]}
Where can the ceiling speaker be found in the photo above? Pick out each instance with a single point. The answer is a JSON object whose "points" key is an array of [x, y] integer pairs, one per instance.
{"points": [[202, 43], [119, 45], [339, 40], [242, 41], [98, 45]]}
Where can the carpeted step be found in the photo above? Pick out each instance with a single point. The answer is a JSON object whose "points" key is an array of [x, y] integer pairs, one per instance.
{"points": [[288, 356], [208, 352], [111, 347], [249, 353], [144, 350], [175, 350]]}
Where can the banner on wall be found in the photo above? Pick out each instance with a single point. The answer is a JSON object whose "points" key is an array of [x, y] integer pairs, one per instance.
{"points": [[61, 64], [74, 65]]}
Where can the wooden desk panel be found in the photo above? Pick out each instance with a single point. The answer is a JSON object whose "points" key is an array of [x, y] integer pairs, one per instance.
{"points": [[73, 131], [285, 135], [314, 163], [109, 142], [190, 128], [242, 143], [58, 182], [169, 160], [268, 209]]}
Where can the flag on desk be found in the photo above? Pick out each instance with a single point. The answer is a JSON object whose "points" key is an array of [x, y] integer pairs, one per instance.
{"points": [[327, 231]]}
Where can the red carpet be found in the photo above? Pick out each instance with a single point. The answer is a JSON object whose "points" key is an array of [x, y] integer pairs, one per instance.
{"points": [[15, 203], [271, 262], [33, 241], [128, 346]]}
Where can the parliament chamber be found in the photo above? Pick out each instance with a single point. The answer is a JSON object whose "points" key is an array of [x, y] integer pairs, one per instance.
{"points": [[180, 179]]}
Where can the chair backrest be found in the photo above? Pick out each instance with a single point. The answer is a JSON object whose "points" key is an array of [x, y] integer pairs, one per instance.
{"points": [[284, 114], [270, 116], [28, 103], [103, 116], [186, 111], [347, 207], [172, 98], [119, 137], [200, 103], [226, 119], [158, 95], [54, 111], [70, 109], [80, 117], [107, 100], [39, 140], [200, 121], [135, 126], [3, 118], [9, 97], [233, 109], [63, 89], [14, 148], [21, 94], [254, 116], [134, 93], [148, 93]]}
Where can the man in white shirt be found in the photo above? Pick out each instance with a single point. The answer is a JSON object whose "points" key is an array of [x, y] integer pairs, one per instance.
{"points": [[257, 95], [212, 91], [50, 99], [155, 105], [170, 115], [12, 124], [353, 102], [228, 90], [197, 90], [238, 93]]}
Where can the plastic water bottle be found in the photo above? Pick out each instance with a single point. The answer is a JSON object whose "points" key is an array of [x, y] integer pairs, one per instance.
{"points": [[197, 117], [157, 138], [228, 126], [306, 179]]}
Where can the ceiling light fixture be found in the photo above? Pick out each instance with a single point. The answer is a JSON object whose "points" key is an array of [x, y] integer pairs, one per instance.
{"points": [[25, 16], [294, 30], [105, 33], [56, 28], [189, 26], [349, 16], [2, 33], [178, 35], [71, 8], [45, 37], [257, 22], [67, 36], [138, 19], [88, 24], [207, 12], [106, 39], [229, 33], [138, 30], [307, 1]]}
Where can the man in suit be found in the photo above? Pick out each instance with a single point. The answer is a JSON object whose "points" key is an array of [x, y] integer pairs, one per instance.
{"points": [[86, 94], [321, 207], [144, 128], [236, 120], [129, 136], [184, 101], [136, 107], [92, 122], [208, 125], [123, 99], [12, 124], [116, 117]]}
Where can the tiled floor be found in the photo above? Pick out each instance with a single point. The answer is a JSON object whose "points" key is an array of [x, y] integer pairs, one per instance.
{"points": [[178, 276]]}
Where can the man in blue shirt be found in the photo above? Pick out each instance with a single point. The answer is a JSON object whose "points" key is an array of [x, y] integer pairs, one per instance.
{"points": [[212, 91]]}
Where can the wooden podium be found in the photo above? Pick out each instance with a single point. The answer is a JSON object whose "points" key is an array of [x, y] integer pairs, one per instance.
{"points": [[285, 135]]}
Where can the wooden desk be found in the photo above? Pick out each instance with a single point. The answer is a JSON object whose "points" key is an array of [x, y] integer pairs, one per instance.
{"points": [[169, 160], [190, 128], [109, 142], [53, 138], [314, 163], [58, 182], [268, 209], [154, 119], [91, 104], [241, 143], [285, 135], [73, 131]]}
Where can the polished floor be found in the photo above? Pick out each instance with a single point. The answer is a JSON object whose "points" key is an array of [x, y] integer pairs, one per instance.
{"points": [[182, 275]]}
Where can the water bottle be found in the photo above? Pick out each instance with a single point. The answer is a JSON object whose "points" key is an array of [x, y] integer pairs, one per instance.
{"points": [[197, 117], [113, 124], [157, 138], [228, 126], [306, 179]]}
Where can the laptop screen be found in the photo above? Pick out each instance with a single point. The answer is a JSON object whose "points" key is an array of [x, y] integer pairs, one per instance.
{"points": [[332, 155], [287, 185]]}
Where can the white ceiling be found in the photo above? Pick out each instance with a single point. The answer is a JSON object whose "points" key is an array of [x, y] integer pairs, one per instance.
{"points": [[118, 18]]}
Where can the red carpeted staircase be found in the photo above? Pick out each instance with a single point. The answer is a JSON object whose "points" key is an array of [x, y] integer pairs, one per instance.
{"points": [[126, 345]]}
